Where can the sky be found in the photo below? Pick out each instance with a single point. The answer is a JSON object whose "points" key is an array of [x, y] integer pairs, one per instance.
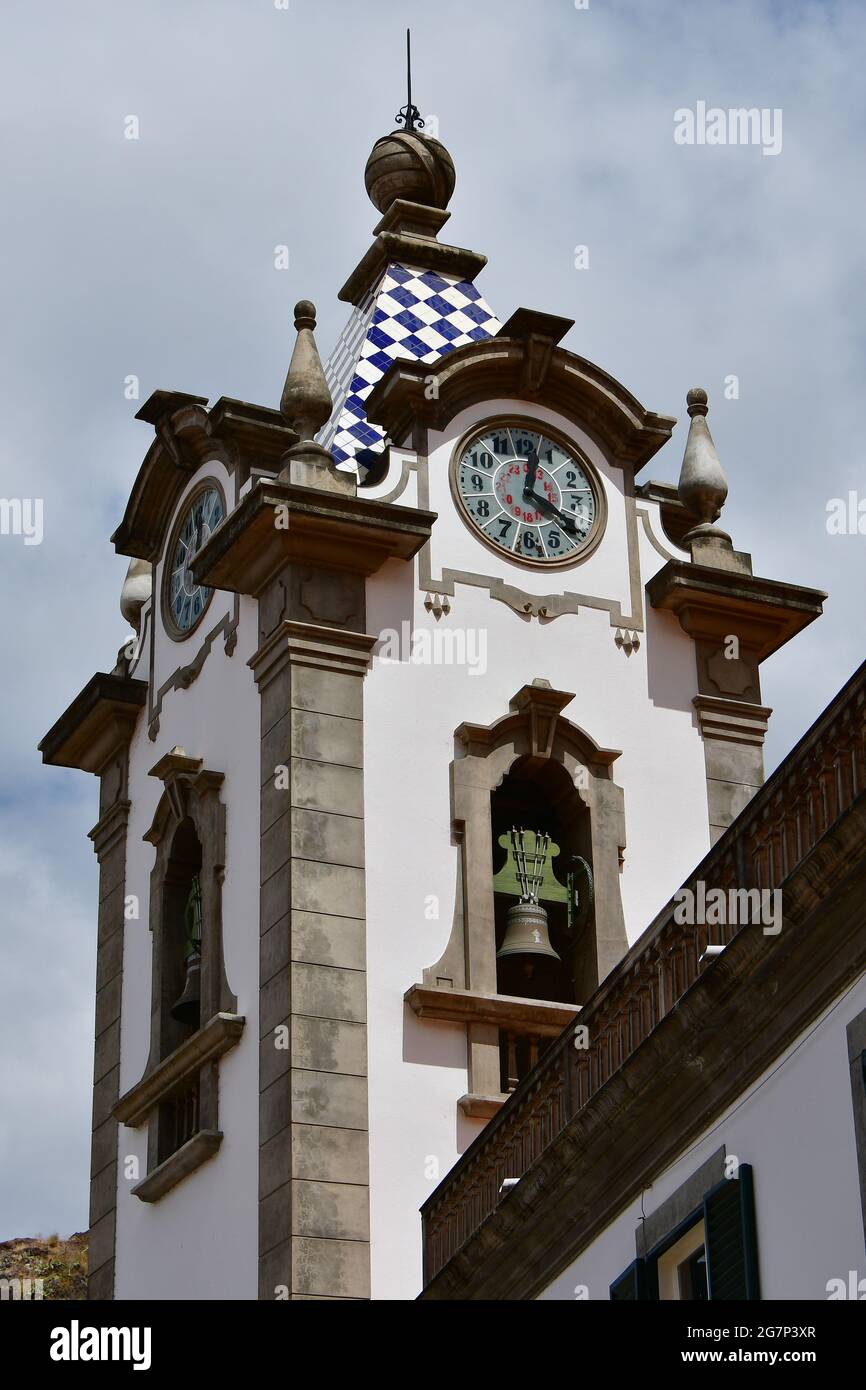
{"points": [[155, 258]]}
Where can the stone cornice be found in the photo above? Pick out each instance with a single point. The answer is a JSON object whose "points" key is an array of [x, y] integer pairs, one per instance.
{"points": [[100, 721], [733, 721], [538, 707], [309, 644], [210, 1042], [110, 829], [278, 523], [714, 604], [408, 234], [187, 436], [520, 367]]}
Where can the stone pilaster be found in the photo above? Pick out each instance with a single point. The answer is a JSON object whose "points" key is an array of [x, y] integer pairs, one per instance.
{"points": [[313, 1130], [94, 735], [109, 842], [733, 733]]}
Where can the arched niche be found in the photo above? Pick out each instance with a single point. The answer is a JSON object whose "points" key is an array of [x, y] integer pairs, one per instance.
{"points": [[533, 742]]}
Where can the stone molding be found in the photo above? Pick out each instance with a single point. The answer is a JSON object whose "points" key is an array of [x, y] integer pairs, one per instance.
{"points": [[342, 533], [732, 720], [407, 233], [188, 436], [501, 368], [713, 604], [306, 644], [211, 1042], [470, 1006], [97, 725], [182, 1162], [534, 728], [191, 793]]}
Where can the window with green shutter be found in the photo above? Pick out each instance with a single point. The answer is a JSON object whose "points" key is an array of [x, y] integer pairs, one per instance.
{"points": [[732, 1247], [711, 1254]]}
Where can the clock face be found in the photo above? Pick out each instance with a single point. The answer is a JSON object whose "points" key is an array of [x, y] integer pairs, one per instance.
{"points": [[529, 495], [185, 600]]}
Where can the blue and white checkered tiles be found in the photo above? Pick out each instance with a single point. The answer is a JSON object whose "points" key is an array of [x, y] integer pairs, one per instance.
{"points": [[415, 315]]}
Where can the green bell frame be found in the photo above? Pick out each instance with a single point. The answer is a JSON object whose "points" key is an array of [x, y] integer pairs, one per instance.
{"points": [[577, 893]]}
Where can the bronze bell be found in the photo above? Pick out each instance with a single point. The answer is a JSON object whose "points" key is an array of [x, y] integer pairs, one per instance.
{"points": [[187, 1009], [527, 963], [526, 933]]}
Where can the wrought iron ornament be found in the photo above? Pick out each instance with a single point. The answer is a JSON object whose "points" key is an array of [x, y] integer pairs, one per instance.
{"points": [[409, 115]]}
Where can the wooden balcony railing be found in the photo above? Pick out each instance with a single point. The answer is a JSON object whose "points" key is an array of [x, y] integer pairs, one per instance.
{"points": [[783, 822]]}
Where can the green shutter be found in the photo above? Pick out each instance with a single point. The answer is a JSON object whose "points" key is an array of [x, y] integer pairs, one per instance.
{"points": [[731, 1242], [631, 1285]]}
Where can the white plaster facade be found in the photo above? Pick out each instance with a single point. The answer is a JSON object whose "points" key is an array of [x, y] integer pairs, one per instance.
{"points": [[807, 1193], [200, 1240]]}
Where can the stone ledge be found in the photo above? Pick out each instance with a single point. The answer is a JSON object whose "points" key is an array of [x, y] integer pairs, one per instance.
{"points": [[481, 1107], [349, 534], [501, 1010], [207, 1045], [184, 1161], [711, 604], [100, 720]]}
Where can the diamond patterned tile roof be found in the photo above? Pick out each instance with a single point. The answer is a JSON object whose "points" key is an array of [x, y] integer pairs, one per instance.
{"points": [[414, 314]]}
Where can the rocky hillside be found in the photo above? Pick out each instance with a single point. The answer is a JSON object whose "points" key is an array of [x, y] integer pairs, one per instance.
{"points": [[60, 1264]]}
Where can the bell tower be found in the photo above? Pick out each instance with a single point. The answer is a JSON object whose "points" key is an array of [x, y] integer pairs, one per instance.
{"points": [[429, 703]]}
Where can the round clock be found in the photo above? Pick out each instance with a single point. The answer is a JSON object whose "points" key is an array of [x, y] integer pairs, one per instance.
{"points": [[185, 601], [528, 493]]}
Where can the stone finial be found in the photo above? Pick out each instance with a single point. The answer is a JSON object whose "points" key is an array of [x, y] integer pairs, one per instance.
{"points": [[411, 166], [306, 401], [703, 486], [306, 405]]}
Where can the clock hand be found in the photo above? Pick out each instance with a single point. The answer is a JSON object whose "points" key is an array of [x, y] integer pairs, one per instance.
{"points": [[566, 522], [543, 503]]}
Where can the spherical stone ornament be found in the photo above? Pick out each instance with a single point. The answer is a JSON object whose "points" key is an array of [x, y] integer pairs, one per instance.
{"points": [[409, 165]]}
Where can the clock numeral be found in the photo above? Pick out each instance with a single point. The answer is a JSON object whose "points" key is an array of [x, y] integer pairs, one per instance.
{"points": [[482, 508], [553, 539], [528, 543], [504, 528]]}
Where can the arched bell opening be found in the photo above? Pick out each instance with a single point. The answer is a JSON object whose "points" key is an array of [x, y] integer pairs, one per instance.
{"points": [[181, 981], [182, 939], [542, 864]]}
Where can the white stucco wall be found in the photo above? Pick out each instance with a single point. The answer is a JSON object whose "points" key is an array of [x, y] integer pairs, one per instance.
{"points": [[200, 1240], [640, 704], [795, 1126]]}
